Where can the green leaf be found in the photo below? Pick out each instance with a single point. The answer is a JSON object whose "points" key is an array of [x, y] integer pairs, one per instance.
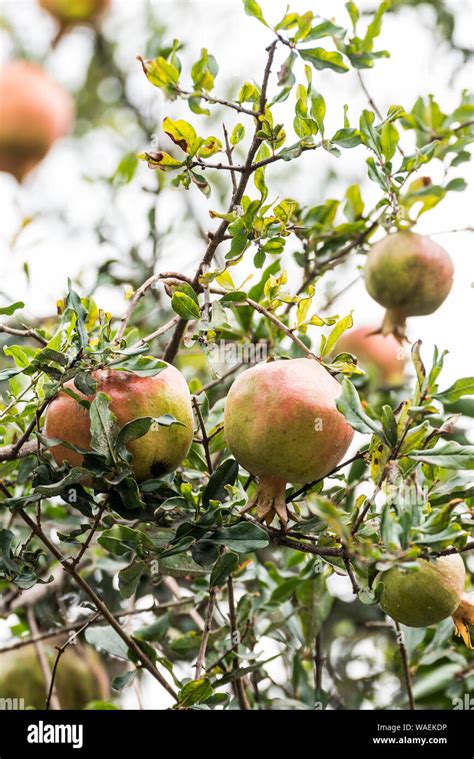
{"points": [[328, 343], [375, 26], [142, 366], [347, 138], [224, 567], [185, 306], [353, 12], [160, 160], [324, 59], [350, 406], [122, 681], [451, 455], [460, 388], [106, 639], [9, 310], [237, 135], [318, 110], [182, 134], [242, 537], [204, 71], [389, 138], [215, 490], [389, 425], [129, 578], [103, 426], [325, 29], [161, 73], [195, 692], [252, 8]]}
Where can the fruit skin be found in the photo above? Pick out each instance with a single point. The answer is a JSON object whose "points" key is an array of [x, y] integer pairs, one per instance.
{"points": [[34, 112], [381, 355], [282, 425], [80, 677], [69, 12], [423, 597], [408, 274], [158, 452]]}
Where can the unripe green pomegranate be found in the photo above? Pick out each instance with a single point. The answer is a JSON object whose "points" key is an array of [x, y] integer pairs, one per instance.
{"points": [[426, 595], [69, 12], [34, 113], [381, 356], [158, 452], [79, 678], [408, 274], [282, 425]]}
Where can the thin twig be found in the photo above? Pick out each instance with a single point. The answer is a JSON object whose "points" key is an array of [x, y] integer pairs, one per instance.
{"points": [[99, 604], [228, 152], [318, 664], [61, 649], [205, 439], [88, 540], [205, 635], [406, 667], [310, 485], [216, 239], [238, 682], [27, 332], [42, 658], [74, 625]]}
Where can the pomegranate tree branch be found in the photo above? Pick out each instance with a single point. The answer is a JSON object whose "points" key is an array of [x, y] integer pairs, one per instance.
{"points": [[98, 603], [138, 295], [42, 659], [406, 666], [205, 635], [75, 625], [204, 436], [61, 649], [220, 101], [237, 195], [27, 332], [88, 540], [11, 452], [310, 485], [234, 632]]}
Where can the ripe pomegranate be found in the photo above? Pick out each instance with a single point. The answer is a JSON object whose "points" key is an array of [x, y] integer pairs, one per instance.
{"points": [[80, 678], [426, 595], [69, 12], [410, 275], [282, 425], [34, 113], [381, 356], [158, 452]]}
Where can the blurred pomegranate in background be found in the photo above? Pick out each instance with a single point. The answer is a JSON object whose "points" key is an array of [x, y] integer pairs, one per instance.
{"points": [[70, 12], [34, 112], [381, 356]]}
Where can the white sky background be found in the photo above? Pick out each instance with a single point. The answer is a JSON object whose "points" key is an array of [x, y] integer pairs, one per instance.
{"points": [[420, 64]]}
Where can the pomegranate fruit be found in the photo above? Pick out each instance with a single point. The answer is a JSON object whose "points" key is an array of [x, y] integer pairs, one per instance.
{"points": [[158, 452], [282, 425], [34, 113], [381, 356], [69, 12], [80, 678], [408, 274], [426, 595]]}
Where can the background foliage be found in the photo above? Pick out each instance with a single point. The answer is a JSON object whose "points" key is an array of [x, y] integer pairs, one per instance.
{"points": [[272, 620]]}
